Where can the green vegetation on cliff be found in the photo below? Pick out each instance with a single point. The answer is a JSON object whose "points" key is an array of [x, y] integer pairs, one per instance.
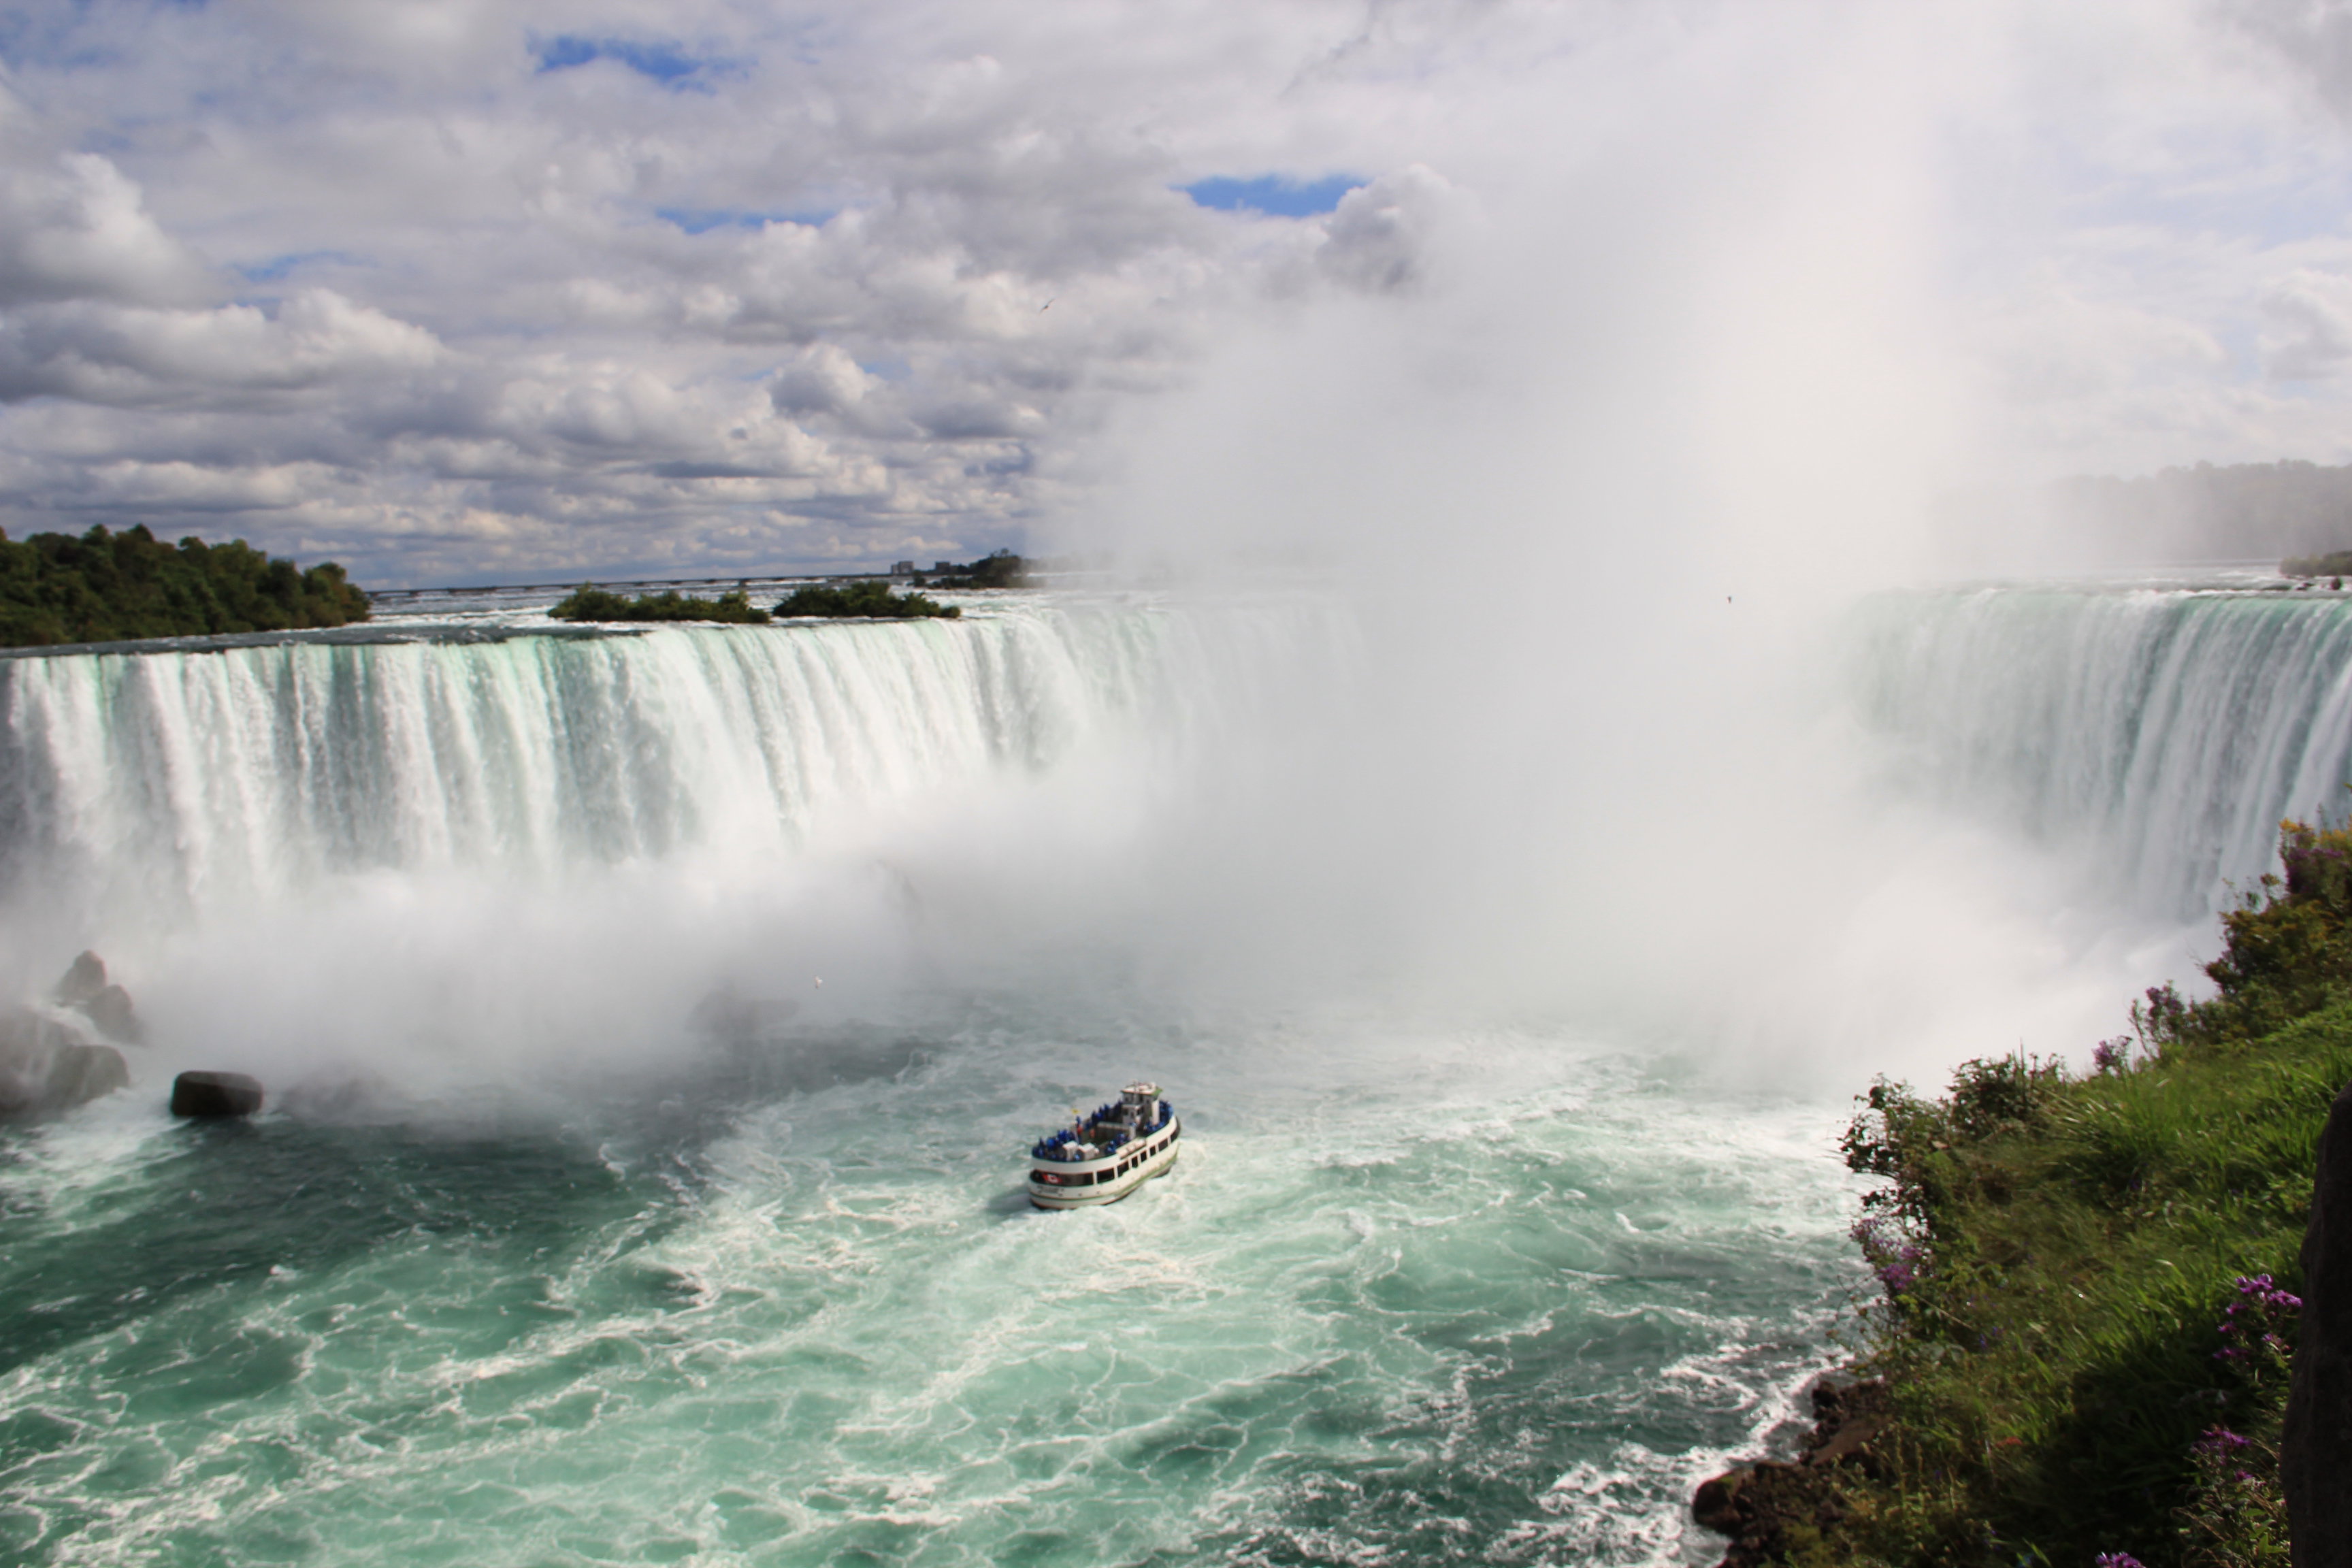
{"points": [[1002, 570], [2335, 563], [111, 587], [588, 604], [870, 599], [2089, 1283]]}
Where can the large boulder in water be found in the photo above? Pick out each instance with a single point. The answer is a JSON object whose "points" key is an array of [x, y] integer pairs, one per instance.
{"points": [[214, 1094], [2315, 1449]]}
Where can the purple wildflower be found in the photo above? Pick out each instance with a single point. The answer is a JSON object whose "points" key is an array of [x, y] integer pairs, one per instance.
{"points": [[2253, 1320], [1893, 1256], [2118, 1559], [2112, 1055], [2220, 1440]]}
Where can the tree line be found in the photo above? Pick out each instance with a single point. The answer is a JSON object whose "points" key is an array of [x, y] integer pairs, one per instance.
{"points": [[101, 586]]}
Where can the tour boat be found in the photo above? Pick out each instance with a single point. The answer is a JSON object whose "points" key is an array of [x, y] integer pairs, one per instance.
{"points": [[1100, 1158]]}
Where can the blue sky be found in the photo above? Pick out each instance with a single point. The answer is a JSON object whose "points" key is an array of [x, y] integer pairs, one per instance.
{"points": [[1276, 195], [664, 61]]}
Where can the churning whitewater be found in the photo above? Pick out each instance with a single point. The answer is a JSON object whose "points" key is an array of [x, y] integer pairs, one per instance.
{"points": [[659, 1023]]}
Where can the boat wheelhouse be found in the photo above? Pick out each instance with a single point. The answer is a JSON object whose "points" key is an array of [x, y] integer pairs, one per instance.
{"points": [[1101, 1158]]}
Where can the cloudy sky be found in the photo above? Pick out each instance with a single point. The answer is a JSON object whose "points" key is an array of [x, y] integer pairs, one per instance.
{"points": [[489, 289]]}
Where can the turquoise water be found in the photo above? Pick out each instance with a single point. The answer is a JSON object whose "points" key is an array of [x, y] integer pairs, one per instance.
{"points": [[584, 1281], [1473, 1298]]}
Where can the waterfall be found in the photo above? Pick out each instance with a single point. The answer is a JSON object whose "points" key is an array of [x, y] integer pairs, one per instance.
{"points": [[249, 772], [2161, 733]]}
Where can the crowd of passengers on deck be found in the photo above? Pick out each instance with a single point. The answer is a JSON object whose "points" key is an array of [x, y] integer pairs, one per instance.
{"points": [[1074, 1142]]}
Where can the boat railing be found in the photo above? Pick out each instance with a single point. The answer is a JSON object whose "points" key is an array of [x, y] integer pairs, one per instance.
{"points": [[1061, 1145]]}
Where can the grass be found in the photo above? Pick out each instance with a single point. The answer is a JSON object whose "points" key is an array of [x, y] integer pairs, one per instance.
{"points": [[2087, 1281]]}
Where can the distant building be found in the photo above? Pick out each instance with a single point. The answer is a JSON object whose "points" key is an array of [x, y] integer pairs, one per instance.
{"points": [[944, 566], [902, 569]]}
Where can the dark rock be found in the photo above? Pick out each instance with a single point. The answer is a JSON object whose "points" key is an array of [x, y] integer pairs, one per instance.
{"points": [[85, 988], [110, 1011], [1716, 1502], [2315, 1448], [30, 1046], [1847, 1441], [215, 1094], [81, 1073], [83, 981], [1767, 1507]]}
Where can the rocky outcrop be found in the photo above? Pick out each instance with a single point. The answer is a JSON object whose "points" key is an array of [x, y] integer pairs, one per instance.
{"points": [[1773, 1509], [214, 1094], [46, 1065], [2315, 1449], [82, 1073], [54, 1059], [85, 978], [29, 1046], [85, 989]]}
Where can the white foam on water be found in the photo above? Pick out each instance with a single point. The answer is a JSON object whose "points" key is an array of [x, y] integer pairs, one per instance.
{"points": [[874, 1349]]}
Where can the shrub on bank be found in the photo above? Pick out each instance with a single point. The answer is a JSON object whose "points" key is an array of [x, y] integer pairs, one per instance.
{"points": [[109, 587], [2335, 563], [588, 604], [1001, 569], [869, 599], [2087, 1286]]}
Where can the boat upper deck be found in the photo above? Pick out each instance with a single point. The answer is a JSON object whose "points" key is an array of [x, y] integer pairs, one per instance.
{"points": [[1138, 1113]]}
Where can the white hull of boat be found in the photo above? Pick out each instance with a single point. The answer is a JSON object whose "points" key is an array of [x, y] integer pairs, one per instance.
{"points": [[1077, 1185]]}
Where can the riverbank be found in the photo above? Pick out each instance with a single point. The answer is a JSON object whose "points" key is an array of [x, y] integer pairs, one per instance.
{"points": [[2089, 1285]]}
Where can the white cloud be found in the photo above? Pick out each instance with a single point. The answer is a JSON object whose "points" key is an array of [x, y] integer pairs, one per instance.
{"points": [[2309, 314], [717, 282], [1381, 234], [76, 229], [131, 356]]}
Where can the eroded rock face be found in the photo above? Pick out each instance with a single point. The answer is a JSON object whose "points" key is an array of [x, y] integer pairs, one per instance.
{"points": [[30, 1046], [54, 1059], [81, 1073], [85, 988], [84, 979], [1765, 1505], [215, 1094], [46, 1066], [110, 1011], [2315, 1450]]}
